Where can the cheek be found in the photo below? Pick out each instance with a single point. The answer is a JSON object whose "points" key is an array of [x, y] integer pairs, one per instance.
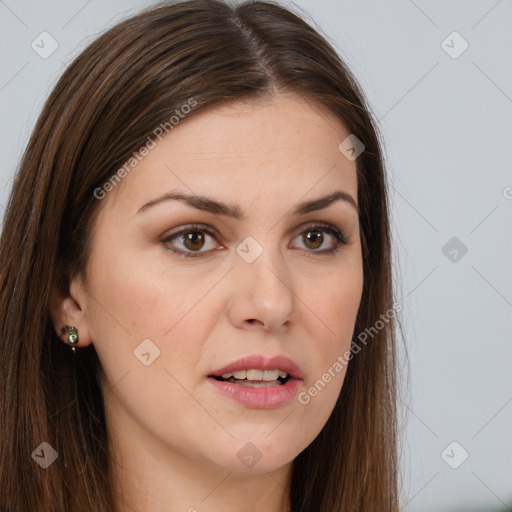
{"points": [[332, 318], [135, 302], [329, 307], [142, 295], [335, 306]]}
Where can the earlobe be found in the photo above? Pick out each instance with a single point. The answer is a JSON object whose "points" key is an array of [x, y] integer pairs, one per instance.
{"points": [[71, 333], [67, 311]]}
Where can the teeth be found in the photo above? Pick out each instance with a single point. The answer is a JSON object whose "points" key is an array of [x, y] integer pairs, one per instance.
{"points": [[255, 375], [261, 375]]}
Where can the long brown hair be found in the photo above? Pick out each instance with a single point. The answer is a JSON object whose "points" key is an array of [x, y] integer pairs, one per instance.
{"points": [[103, 109]]}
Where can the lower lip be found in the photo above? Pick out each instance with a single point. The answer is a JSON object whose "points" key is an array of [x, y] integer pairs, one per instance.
{"points": [[269, 397]]}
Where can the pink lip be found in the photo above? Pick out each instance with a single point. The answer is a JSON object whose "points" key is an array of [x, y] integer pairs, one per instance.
{"points": [[269, 397]]}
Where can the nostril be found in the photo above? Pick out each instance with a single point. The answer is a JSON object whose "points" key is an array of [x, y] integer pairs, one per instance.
{"points": [[252, 321]]}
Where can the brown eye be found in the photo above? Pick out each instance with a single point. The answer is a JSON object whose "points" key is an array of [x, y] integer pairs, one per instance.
{"points": [[194, 240], [190, 241], [315, 238]]}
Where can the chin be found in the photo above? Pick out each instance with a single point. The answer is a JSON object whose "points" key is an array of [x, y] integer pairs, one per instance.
{"points": [[256, 455]]}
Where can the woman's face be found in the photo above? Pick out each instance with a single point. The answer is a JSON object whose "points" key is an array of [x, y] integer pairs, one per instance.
{"points": [[168, 305]]}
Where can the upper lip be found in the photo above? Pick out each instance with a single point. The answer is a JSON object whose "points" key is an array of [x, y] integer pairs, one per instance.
{"points": [[259, 362]]}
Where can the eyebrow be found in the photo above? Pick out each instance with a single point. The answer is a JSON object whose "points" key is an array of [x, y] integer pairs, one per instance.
{"points": [[218, 208]]}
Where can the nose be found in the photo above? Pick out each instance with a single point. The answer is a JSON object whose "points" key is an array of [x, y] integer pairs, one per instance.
{"points": [[262, 293]]}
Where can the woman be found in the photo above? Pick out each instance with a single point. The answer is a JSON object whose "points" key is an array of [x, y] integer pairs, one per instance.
{"points": [[196, 279]]}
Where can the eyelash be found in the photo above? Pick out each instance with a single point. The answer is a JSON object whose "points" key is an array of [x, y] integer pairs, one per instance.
{"points": [[338, 235]]}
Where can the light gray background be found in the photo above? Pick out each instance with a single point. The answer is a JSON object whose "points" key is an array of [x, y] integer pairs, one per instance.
{"points": [[446, 124]]}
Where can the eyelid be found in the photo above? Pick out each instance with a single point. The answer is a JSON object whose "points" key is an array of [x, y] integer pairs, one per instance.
{"points": [[340, 235], [206, 228], [189, 227]]}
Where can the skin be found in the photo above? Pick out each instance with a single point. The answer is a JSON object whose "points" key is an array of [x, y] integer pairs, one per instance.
{"points": [[174, 438]]}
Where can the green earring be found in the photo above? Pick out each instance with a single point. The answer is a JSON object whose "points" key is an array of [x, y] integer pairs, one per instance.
{"points": [[72, 335]]}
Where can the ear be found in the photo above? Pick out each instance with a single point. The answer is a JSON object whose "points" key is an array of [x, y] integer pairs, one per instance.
{"points": [[67, 305]]}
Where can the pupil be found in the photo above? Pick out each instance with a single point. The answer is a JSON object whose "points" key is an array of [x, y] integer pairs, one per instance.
{"points": [[194, 237], [319, 238]]}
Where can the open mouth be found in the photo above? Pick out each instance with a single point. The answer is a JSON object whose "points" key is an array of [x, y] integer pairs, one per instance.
{"points": [[257, 382], [255, 378]]}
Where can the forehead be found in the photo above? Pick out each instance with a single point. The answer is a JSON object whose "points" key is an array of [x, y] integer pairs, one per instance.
{"points": [[281, 147], [243, 128]]}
